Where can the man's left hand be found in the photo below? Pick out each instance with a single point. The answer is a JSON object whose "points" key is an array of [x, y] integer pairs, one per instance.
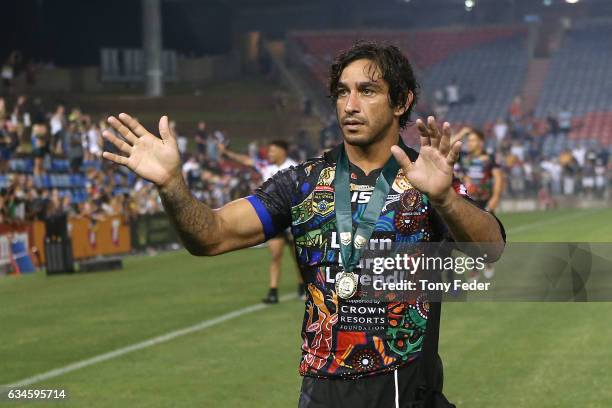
{"points": [[432, 172]]}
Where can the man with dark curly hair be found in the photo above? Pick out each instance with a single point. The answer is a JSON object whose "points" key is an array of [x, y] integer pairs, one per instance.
{"points": [[355, 352]]}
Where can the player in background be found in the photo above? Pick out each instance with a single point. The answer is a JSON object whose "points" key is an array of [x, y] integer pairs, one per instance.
{"points": [[277, 160], [481, 176]]}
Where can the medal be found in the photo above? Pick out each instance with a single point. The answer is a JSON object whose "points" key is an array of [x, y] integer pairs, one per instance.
{"points": [[346, 285], [351, 248]]}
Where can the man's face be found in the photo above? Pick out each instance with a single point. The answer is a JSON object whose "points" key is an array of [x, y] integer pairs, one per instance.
{"points": [[276, 154], [474, 144], [362, 106]]}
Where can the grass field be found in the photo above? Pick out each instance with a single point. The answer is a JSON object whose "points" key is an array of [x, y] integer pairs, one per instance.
{"points": [[495, 354]]}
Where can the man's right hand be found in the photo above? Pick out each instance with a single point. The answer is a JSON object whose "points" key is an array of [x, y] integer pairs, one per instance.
{"points": [[157, 160], [202, 230]]}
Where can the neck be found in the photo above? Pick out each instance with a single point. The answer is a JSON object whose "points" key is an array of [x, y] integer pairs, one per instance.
{"points": [[373, 156]]}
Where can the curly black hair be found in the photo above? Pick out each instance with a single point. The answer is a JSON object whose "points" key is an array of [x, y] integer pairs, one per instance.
{"points": [[395, 68]]}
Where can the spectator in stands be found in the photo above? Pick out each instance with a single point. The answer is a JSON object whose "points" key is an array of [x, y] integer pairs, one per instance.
{"points": [[37, 112], [5, 146], [57, 124], [37, 203], [516, 109], [9, 69], [553, 124], [252, 149], [4, 216], [564, 119], [452, 93], [579, 152], [569, 170], [21, 113], [500, 130], [588, 174], [181, 140], [73, 141], [75, 115], [3, 112], [14, 203], [201, 135], [94, 141], [40, 146], [191, 171]]}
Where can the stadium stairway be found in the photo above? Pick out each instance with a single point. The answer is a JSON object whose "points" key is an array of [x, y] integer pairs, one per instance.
{"points": [[537, 70]]}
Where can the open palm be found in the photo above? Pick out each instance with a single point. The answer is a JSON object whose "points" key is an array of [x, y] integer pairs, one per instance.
{"points": [[432, 172], [153, 158]]}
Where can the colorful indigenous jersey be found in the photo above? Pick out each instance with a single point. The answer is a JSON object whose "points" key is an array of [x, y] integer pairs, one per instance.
{"points": [[476, 173], [354, 337]]}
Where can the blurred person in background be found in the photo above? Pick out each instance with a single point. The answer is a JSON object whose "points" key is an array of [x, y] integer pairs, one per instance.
{"points": [[564, 120], [479, 171], [6, 146], [57, 125], [21, 112], [73, 142], [200, 137], [277, 160], [94, 140], [40, 146], [482, 177]]}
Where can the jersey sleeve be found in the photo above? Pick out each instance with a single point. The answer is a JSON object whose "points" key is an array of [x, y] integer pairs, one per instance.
{"points": [[440, 228], [273, 199]]}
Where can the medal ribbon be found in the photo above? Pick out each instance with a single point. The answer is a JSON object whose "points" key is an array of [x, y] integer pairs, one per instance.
{"points": [[344, 219]]}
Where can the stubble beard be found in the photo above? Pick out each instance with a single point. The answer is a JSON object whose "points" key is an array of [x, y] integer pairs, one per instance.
{"points": [[366, 140]]}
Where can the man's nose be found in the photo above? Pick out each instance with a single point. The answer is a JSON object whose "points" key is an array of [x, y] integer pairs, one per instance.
{"points": [[352, 103]]}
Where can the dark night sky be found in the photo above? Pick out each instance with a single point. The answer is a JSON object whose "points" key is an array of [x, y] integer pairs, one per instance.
{"points": [[71, 32]]}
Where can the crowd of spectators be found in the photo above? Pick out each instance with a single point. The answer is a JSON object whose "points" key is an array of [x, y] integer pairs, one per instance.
{"points": [[38, 146], [51, 161], [539, 158]]}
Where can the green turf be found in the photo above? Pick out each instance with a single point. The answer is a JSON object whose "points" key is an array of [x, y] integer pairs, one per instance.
{"points": [[495, 354]]}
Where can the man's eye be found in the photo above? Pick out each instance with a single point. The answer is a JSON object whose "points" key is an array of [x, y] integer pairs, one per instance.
{"points": [[367, 92], [341, 92]]}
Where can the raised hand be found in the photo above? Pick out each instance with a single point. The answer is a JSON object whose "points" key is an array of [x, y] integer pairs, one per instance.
{"points": [[153, 158], [432, 172]]}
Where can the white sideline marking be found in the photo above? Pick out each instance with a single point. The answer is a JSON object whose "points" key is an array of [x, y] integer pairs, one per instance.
{"points": [[139, 346], [527, 227]]}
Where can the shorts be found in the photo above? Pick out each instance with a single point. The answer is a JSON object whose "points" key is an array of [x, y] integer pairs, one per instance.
{"points": [[395, 389]]}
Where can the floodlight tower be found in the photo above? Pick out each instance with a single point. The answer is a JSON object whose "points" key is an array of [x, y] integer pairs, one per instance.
{"points": [[152, 45]]}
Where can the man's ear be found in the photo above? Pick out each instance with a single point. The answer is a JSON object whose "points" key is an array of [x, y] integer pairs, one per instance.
{"points": [[400, 110]]}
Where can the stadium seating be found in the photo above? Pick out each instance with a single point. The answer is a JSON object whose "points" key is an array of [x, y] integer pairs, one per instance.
{"points": [[489, 63], [58, 177], [593, 125], [491, 75], [579, 77]]}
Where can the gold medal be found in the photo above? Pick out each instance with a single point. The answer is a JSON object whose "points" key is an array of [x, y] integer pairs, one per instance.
{"points": [[346, 285]]}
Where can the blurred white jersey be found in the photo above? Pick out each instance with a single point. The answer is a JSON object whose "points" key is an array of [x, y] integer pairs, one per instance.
{"points": [[267, 169]]}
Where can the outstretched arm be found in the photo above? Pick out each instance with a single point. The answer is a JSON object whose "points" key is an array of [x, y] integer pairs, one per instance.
{"points": [[203, 230], [432, 174], [237, 157]]}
